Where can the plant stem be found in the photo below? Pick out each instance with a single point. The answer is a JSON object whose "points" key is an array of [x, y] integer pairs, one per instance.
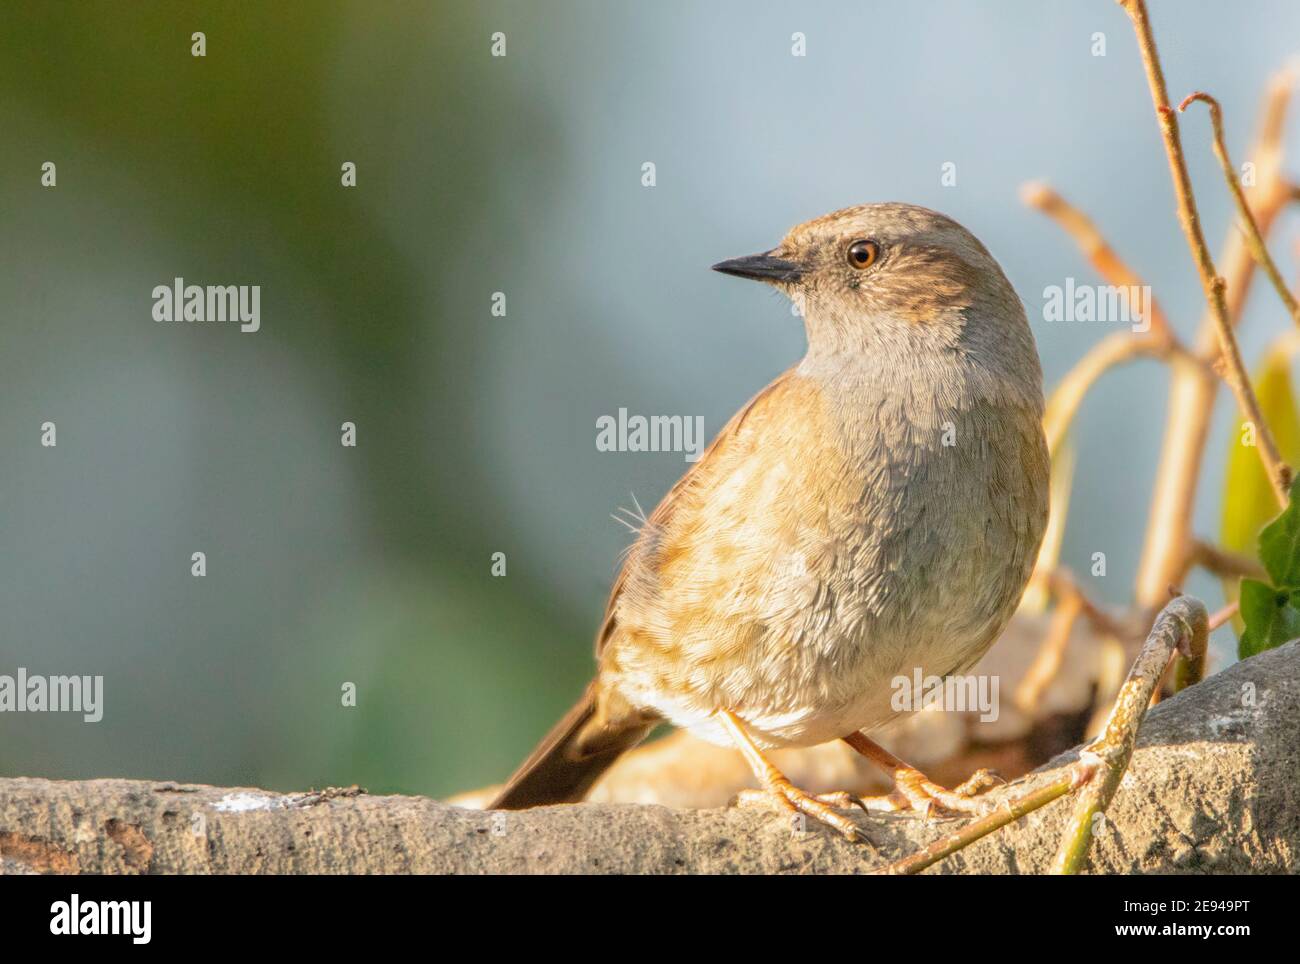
{"points": [[1279, 474], [1181, 626], [1193, 388], [985, 825], [1254, 239]]}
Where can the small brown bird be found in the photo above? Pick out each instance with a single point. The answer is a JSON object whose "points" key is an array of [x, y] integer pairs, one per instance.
{"points": [[876, 509]]}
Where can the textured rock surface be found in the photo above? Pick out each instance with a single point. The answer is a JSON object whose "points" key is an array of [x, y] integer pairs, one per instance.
{"points": [[1214, 787]]}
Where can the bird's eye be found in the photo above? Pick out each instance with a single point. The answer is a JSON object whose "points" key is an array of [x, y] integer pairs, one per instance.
{"points": [[863, 254]]}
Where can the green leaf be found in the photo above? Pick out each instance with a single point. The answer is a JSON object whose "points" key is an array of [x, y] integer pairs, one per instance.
{"points": [[1248, 499], [1279, 546], [1272, 617]]}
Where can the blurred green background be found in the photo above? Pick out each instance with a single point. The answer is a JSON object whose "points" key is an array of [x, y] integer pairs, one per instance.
{"points": [[476, 434]]}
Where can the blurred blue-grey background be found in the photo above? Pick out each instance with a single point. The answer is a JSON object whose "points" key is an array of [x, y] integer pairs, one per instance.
{"points": [[476, 434]]}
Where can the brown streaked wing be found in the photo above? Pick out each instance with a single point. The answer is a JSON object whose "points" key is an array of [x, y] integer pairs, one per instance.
{"points": [[664, 509]]}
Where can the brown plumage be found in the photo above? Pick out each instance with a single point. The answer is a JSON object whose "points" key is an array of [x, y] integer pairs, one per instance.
{"points": [[875, 509]]}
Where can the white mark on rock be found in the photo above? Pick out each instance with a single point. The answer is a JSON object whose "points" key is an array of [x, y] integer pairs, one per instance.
{"points": [[247, 802]]}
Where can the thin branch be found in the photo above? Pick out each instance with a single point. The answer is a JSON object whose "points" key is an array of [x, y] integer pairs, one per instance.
{"points": [[1008, 812], [1112, 669], [1114, 349], [1192, 388], [1051, 654], [1095, 247], [1065, 588], [1182, 626], [1254, 239], [1279, 473], [1271, 192], [1221, 617], [1224, 562]]}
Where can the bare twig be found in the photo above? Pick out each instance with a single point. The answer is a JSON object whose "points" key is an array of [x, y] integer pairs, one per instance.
{"points": [[1065, 589], [1114, 349], [1007, 813], [1221, 617], [1182, 626], [1222, 562], [1254, 239], [1112, 668], [1098, 252], [1234, 373], [1192, 388], [1071, 603], [1271, 192], [1050, 655]]}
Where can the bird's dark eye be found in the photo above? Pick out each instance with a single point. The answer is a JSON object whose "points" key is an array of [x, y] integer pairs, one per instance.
{"points": [[863, 254]]}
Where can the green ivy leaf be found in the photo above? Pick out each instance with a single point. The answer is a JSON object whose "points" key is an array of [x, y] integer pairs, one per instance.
{"points": [[1279, 546], [1272, 617]]}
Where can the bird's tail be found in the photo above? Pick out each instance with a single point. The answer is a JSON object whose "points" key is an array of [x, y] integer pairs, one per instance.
{"points": [[571, 757]]}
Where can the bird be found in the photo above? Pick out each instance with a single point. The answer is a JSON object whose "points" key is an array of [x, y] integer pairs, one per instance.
{"points": [[876, 509]]}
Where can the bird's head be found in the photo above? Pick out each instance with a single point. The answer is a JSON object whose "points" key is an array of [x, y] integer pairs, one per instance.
{"points": [[881, 276]]}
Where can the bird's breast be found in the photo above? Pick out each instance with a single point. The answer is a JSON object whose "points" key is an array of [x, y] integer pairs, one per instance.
{"points": [[832, 540]]}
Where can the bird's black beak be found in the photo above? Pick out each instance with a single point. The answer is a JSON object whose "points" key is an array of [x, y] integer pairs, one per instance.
{"points": [[761, 267]]}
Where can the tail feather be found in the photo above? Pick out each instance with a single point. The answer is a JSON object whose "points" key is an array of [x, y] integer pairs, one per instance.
{"points": [[560, 770]]}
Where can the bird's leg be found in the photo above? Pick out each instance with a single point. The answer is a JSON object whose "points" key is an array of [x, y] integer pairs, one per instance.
{"points": [[913, 789], [777, 786]]}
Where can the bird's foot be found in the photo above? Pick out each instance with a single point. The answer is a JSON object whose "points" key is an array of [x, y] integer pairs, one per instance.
{"points": [[777, 786], [822, 807], [913, 790]]}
